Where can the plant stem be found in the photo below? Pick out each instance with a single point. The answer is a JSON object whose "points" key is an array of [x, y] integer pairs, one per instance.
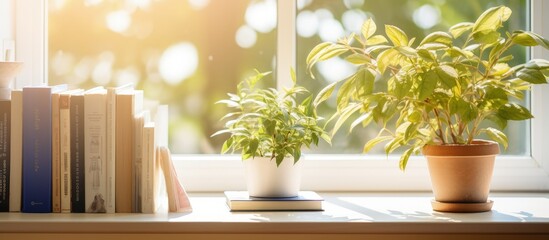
{"points": [[440, 133]]}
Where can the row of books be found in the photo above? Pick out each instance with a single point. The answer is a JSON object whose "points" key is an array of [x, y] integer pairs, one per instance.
{"points": [[80, 151]]}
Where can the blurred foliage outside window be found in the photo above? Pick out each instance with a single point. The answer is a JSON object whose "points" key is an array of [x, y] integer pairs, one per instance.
{"points": [[190, 53]]}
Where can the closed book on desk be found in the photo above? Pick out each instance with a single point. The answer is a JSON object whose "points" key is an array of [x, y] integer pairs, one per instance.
{"points": [[305, 201], [37, 158]]}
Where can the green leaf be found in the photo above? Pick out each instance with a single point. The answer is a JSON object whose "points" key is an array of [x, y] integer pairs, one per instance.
{"points": [[513, 111], [497, 136], [377, 140], [365, 80], [294, 78], [404, 159], [426, 55], [316, 51], [254, 144], [227, 145], [375, 40], [531, 76], [526, 38], [401, 87], [387, 58], [492, 19], [358, 59], [393, 145], [447, 74], [437, 37], [344, 115], [458, 29], [539, 64], [330, 53], [325, 93], [367, 117], [427, 85], [396, 35], [411, 130], [407, 51], [368, 28], [486, 37], [279, 159], [500, 122]]}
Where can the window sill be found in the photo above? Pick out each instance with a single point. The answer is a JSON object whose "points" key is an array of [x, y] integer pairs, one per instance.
{"points": [[345, 213]]}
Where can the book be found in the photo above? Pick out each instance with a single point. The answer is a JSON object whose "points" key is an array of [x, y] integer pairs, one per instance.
{"points": [[178, 200], [124, 131], [110, 198], [150, 171], [65, 148], [95, 120], [5, 129], [77, 153], [36, 182], [16, 150], [55, 154], [139, 123], [305, 201]]}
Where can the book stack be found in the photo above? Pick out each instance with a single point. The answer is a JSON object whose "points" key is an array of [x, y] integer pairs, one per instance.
{"points": [[76, 151], [304, 201]]}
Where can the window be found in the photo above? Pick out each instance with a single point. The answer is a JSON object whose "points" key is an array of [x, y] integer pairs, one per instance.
{"points": [[187, 54], [341, 172]]}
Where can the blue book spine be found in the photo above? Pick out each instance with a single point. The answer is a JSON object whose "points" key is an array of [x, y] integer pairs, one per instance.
{"points": [[78, 193], [37, 158]]}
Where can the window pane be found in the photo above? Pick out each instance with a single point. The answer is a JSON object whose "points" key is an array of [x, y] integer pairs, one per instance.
{"points": [[187, 54], [328, 20]]}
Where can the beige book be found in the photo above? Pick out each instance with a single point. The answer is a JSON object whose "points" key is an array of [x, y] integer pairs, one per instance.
{"points": [[124, 145], [56, 155], [16, 148], [111, 146]]}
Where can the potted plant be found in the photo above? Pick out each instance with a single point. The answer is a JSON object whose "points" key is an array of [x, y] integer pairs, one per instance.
{"points": [[270, 128], [437, 96]]}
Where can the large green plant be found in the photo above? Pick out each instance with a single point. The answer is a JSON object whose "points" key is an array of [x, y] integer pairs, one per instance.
{"points": [[437, 92], [266, 122]]}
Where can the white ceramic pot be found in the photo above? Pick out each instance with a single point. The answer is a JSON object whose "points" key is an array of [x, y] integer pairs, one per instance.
{"points": [[265, 179]]}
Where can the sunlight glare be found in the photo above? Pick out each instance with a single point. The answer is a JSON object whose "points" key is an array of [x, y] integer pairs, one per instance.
{"points": [[426, 16], [344, 69], [199, 4], [88, 3], [353, 19], [261, 16], [119, 21], [350, 4], [178, 62], [330, 30], [245, 37], [307, 24]]}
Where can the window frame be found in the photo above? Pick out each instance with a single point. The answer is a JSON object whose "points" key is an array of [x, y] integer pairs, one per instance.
{"points": [[322, 172]]}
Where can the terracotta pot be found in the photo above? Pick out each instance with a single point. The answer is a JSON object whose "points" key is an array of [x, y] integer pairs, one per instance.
{"points": [[461, 173], [265, 179]]}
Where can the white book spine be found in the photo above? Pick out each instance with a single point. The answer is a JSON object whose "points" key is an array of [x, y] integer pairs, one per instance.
{"points": [[95, 151], [16, 150], [65, 152], [111, 150], [150, 170]]}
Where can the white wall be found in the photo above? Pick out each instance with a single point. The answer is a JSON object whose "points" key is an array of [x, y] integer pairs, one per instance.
{"points": [[6, 22]]}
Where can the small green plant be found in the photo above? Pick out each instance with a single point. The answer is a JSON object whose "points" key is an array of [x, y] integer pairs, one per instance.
{"points": [[436, 91], [266, 122]]}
